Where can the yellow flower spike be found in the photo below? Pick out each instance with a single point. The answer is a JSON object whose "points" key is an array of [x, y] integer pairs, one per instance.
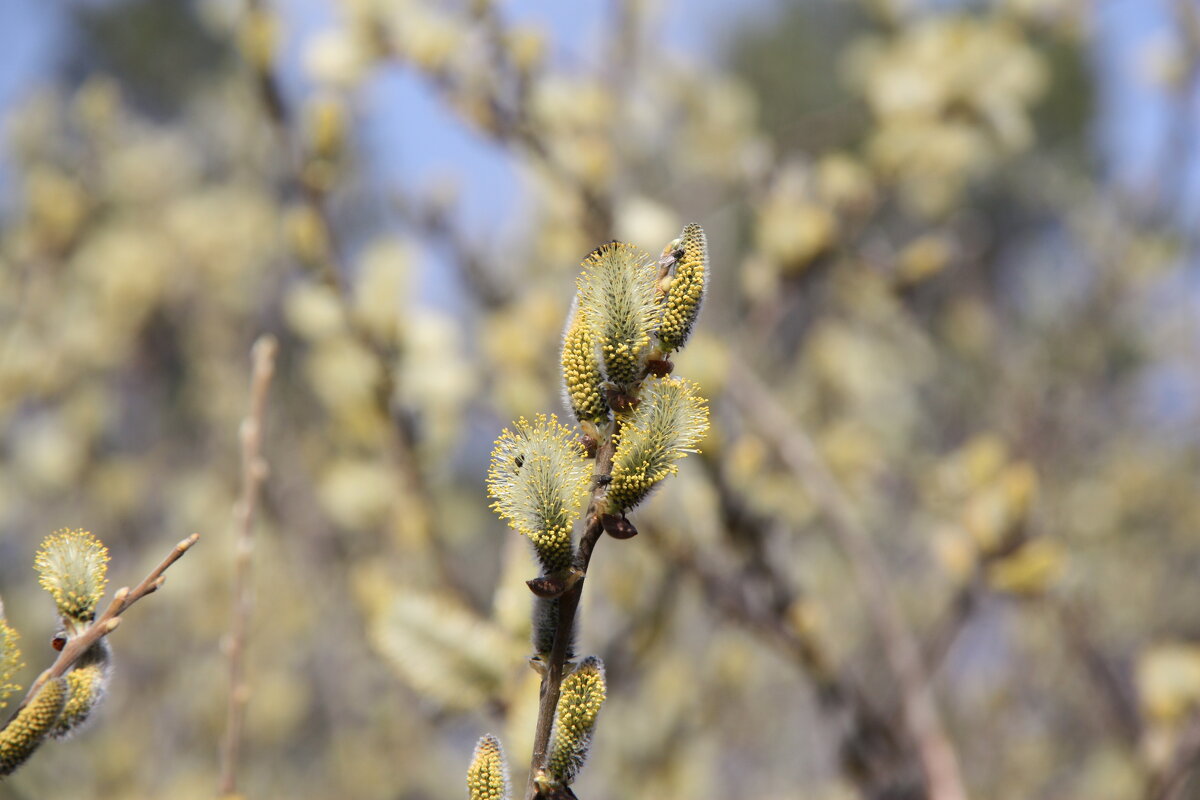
{"points": [[537, 477], [618, 301], [87, 683], [583, 692], [664, 428], [10, 660], [72, 566], [582, 377], [28, 729], [685, 293], [487, 777]]}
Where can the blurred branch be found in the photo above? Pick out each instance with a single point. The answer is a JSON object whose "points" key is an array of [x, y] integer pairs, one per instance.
{"points": [[1173, 780], [108, 621], [254, 472], [903, 655], [334, 272]]}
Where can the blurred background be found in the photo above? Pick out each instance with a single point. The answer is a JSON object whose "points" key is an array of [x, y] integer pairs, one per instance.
{"points": [[954, 296]]}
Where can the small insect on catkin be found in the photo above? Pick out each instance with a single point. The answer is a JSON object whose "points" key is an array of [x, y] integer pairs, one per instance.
{"points": [[664, 428], [487, 777], [72, 566], [537, 478], [28, 729], [618, 303], [583, 692], [685, 290]]}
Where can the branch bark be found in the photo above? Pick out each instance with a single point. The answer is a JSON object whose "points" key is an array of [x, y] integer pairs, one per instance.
{"points": [[254, 472], [921, 716]]}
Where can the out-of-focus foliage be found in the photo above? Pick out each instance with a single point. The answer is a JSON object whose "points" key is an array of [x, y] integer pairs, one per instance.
{"points": [[912, 241]]}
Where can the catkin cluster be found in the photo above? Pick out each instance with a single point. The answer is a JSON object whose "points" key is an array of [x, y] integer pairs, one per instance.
{"points": [[72, 567], [636, 420]]}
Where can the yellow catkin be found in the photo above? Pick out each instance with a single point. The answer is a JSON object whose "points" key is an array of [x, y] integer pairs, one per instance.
{"points": [[582, 377], [72, 566], [86, 685], [28, 729], [686, 290], [537, 477], [663, 429], [583, 692], [10, 660], [487, 777], [617, 298]]}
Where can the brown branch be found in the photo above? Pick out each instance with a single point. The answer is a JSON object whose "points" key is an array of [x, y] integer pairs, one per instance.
{"points": [[568, 604], [254, 472], [921, 716], [108, 621]]}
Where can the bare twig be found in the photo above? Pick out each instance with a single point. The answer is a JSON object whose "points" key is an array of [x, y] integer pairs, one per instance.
{"points": [[921, 716], [254, 472], [108, 621]]}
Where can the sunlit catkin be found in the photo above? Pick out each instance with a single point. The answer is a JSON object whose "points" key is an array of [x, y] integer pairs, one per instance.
{"points": [[28, 729], [582, 376], [617, 299], [537, 478], [87, 683], [583, 693], [10, 661], [487, 777], [72, 566], [685, 290], [664, 428]]}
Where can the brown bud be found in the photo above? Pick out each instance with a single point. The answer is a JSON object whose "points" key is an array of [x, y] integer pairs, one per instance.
{"points": [[589, 445], [618, 527], [659, 366], [546, 587], [619, 401]]}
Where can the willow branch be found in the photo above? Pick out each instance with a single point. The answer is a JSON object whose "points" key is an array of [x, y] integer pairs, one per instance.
{"points": [[568, 604], [254, 472], [921, 716], [108, 621]]}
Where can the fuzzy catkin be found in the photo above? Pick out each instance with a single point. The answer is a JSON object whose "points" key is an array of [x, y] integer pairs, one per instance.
{"points": [[664, 428], [487, 777], [537, 477], [28, 729], [583, 692], [617, 300], [685, 294]]}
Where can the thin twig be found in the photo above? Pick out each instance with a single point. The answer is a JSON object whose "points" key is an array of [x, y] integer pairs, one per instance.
{"points": [[254, 472], [107, 622], [921, 716]]}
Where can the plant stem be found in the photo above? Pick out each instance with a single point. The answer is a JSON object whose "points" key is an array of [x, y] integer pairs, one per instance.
{"points": [[568, 605]]}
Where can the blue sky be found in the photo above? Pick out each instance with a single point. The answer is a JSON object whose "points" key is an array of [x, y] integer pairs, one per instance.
{"points": [[415, 138]]}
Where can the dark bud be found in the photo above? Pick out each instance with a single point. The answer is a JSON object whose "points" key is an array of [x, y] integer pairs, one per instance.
{"points": [[59, 641], [589, 445], [659, 367], [617, 527], [619, 401], [546, 587]]}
